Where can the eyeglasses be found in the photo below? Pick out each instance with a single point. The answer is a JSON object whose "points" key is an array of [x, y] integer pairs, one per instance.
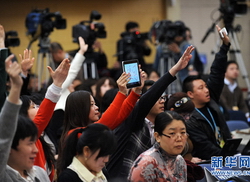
{"points": [[180, 102], [164, 98], [175, 136]]}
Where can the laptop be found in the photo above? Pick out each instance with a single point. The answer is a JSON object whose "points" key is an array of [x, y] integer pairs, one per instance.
{"points": [[246, 149], [229, 149]]}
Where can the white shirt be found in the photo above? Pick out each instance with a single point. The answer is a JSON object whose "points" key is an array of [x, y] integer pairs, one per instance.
{"points": [[231, 87], [84, 174]]}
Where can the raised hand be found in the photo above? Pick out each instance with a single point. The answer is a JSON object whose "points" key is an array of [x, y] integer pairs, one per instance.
{"points": [[226, 39], [60, 74], [143, 76], [183, 61], [122, 83], [83, 46], [26, 61], [13, 69]]}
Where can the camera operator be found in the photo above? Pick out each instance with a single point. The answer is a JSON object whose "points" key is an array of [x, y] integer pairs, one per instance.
{"points": [[90, 31], [133, 45], [175, 43]]}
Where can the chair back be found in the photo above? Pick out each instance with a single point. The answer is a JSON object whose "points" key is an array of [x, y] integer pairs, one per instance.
{"points": [[237, 125]]}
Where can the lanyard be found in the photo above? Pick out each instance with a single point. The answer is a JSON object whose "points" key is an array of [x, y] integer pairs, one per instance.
{"points": [[215, 128]]}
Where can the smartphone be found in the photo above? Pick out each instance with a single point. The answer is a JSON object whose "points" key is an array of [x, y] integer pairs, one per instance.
{"points": [[223, 30], [132, 67]]}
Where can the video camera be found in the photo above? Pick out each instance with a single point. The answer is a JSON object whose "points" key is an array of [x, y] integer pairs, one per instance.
{"points": [[11, 39], [89, 30], [46, 20], [134, 37], [229, 8], [165, 31]]}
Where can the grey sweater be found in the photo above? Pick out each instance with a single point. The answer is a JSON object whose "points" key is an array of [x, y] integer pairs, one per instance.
{"points": [[8, 124]]}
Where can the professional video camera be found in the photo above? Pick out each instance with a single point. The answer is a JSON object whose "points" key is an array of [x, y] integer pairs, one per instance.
{"points": [[229, 8], [165, 31], [42, 22], [11, 39], [134, 37], [89, 30]]}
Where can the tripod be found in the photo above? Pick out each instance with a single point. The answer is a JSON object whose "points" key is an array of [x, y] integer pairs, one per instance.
{"points": [[44, 59], [166, 62], [239, 58], [235, 47], [90, 70]]}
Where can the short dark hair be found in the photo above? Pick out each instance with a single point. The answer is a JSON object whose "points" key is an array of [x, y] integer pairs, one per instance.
{"points": [[130, 25], [55, 46], [25, 105], [232, 62], [162, 120], [187, 84], [25, 128]]}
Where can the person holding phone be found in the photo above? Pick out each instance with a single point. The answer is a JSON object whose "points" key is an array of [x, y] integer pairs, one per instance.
{"points": [[132, 67], [207, 127], [135, 134]]}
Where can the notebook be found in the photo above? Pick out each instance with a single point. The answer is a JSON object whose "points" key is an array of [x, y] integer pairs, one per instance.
{"points": [[246, 149], [229, 149]]}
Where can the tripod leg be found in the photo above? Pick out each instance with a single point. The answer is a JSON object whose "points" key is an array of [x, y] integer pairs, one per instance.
{"points": [[39, 69], [48, 62], [85, 70], [239, 58]]}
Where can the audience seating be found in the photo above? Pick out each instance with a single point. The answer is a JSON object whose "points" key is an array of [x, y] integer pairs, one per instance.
{"points": [[237, 125]]}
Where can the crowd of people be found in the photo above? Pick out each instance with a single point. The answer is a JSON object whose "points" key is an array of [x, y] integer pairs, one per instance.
{"points": [[99, 130]]}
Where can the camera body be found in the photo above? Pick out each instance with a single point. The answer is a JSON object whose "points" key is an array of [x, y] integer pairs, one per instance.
{"points": [[134, 37], [43, 22], [11, 39], [132, 46], [89, 30], [165, 31]]}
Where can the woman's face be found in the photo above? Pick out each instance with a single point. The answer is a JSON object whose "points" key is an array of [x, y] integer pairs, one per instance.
{"points": [[173, 138], [32, 111], [95, 165], [94, 110], [105, 87], [153, 76]]}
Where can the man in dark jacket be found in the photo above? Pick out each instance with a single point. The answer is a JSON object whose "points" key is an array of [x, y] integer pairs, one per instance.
{"points": [[207, 127]]}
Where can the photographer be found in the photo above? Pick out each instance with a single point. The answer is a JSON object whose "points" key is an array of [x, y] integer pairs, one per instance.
{"points": [[133, 45], [174, 44], [90, 31]]}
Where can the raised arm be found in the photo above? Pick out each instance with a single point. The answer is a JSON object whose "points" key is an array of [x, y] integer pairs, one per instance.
{"points": [[9, 113], [76, 64], [148, 99], [215, 81], [3, 74], [52, 95], [129, 103], [109, 116]]}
